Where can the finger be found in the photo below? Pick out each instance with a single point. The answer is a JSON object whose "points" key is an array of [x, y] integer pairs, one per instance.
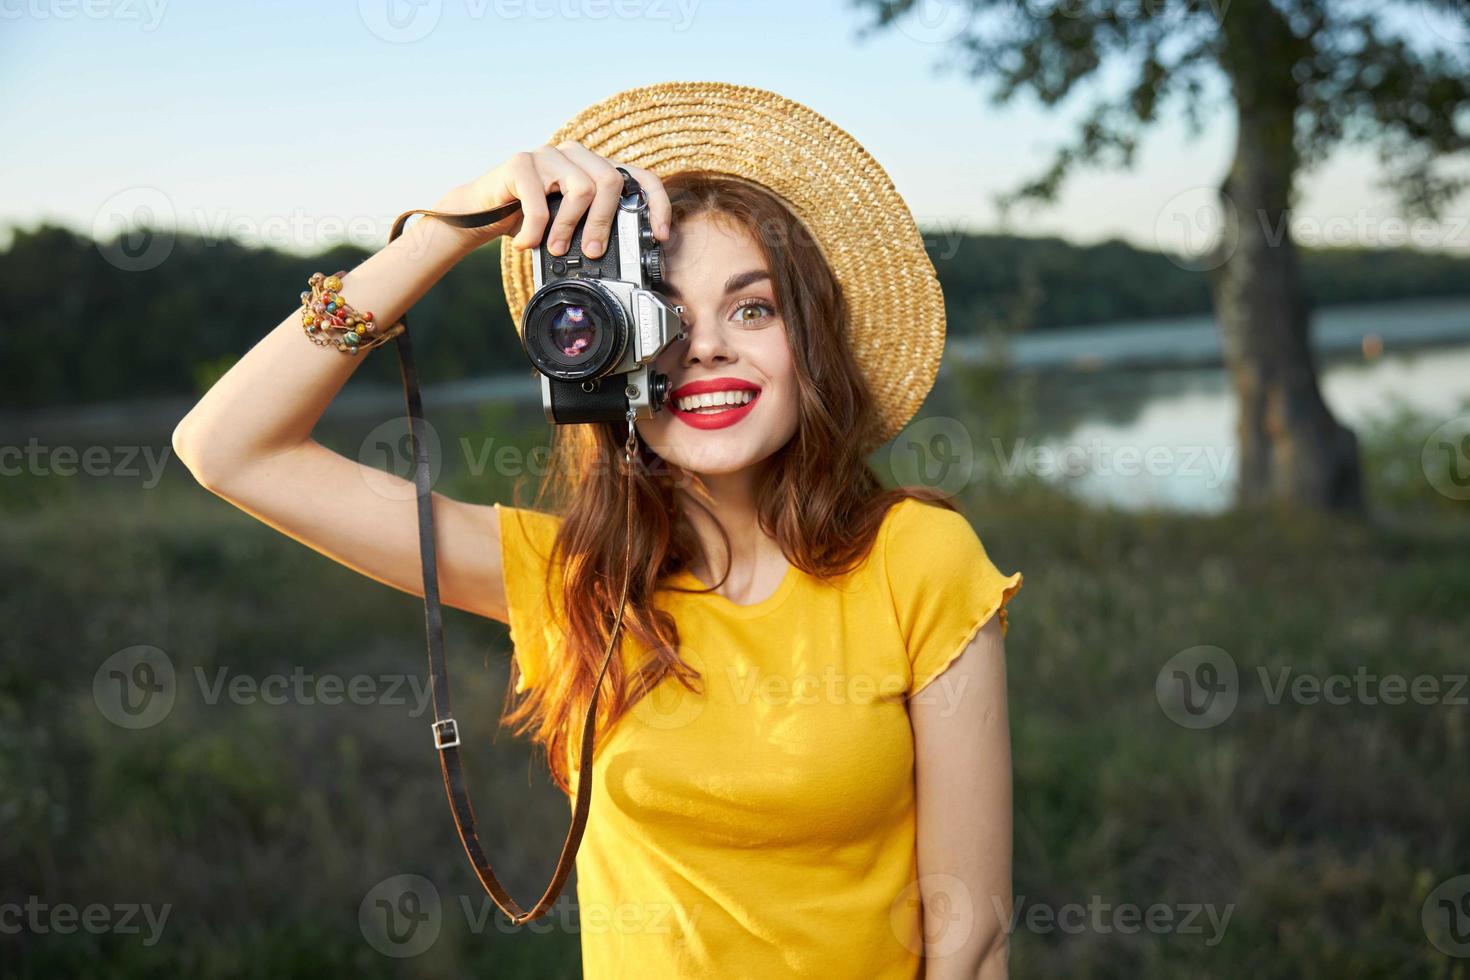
{"points": [[660, 211], [577, 191], [609, 191], [527, 184]]}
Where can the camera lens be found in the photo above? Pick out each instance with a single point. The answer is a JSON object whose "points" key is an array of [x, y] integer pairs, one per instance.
{"points": [[574, 330]]}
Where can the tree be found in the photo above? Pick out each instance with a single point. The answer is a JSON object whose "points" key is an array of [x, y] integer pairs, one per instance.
{"points": [[1303, 77]]}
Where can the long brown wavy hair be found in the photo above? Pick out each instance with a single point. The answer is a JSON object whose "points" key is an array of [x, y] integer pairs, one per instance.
{"points": [[817, 496]]}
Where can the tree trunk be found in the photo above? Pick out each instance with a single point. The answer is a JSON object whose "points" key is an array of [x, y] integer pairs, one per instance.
{"points": [[1292, 451]]}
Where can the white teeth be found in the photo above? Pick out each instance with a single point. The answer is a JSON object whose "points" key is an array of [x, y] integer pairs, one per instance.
{"points": [[715, 400]]}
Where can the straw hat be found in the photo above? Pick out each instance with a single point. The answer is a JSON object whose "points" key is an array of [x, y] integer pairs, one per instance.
{"points": [[826, 178]]}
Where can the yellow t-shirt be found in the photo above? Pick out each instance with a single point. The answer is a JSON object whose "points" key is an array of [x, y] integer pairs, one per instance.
{"points": [[766, 827]]}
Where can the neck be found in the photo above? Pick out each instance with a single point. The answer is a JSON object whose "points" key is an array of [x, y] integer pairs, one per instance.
{"points": [[731, 499]]}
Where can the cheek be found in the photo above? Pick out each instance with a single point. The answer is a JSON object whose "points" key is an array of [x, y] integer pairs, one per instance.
{"points": [[779, 369], [773, 355]]}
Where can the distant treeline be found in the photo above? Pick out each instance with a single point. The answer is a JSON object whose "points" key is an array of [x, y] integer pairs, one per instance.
{"points": [[78, 325]]}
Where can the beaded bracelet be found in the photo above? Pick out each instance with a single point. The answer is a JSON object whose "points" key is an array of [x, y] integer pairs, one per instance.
{"points": [[330, 321]]}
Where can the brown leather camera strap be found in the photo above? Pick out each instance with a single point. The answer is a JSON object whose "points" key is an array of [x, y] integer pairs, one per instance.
{"points": [[445, 729]]}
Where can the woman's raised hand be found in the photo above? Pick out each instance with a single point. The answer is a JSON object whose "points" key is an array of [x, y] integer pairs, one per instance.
{"points": [[589, 183]]}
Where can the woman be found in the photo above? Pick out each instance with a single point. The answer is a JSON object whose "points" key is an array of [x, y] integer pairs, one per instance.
{"points": [[802, 767]]}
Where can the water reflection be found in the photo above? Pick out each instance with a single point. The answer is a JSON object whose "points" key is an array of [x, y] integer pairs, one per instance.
{"points": [[1166, 438]]}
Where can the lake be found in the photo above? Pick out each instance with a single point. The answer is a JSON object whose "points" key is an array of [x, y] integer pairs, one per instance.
{"points": [[1145, 418], [1136, 415]]}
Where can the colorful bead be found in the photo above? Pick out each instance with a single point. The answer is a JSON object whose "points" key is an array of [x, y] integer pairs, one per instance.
{"points": [[330, 321]]}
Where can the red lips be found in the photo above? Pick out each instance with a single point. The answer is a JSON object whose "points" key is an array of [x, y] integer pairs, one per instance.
{"points": [[713, 420], [706, 385]]}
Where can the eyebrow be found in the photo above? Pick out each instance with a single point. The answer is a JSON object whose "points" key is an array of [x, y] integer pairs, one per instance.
{"points": [[738, 281]]}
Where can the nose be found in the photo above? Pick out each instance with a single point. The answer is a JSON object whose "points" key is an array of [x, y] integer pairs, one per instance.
{"points": [[707, 344]]}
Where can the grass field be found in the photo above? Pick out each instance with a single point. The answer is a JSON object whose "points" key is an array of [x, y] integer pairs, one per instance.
{"points": [[1297, 837]]}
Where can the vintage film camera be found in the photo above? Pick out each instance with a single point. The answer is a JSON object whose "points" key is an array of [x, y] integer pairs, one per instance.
{"points": [[593, 327]]}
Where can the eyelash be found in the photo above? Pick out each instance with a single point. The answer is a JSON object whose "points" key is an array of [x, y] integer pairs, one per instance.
{"points": [[746, 303]]}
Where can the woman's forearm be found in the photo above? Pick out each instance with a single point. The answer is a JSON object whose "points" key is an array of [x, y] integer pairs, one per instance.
{"points": [[272, 398]]}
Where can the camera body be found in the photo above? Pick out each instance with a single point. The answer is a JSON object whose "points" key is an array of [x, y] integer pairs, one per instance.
{"points": [[593, 327]]}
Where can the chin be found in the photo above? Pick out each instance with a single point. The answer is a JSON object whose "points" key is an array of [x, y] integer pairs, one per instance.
{"points": [[709, 453], [706, 459]]}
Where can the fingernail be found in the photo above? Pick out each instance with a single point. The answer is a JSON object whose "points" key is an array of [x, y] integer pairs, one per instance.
{"points": [[592, 246], [663, 229], [558, 245]]}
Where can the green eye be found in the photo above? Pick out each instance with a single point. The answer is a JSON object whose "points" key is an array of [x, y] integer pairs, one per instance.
{"points": [[752, 304]]}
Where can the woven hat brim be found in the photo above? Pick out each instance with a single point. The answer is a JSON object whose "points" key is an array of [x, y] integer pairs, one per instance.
{"points": [[831, 183]]}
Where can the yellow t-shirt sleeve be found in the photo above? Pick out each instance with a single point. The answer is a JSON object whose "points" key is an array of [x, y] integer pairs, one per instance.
{"points": [[944, 586], [526, 539]]}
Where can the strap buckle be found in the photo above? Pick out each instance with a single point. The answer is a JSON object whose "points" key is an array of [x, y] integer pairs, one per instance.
{"points": [[446, 734]]}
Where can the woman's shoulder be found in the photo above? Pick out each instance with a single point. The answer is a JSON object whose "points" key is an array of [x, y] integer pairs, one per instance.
{"points": [[921, 541], [913, 517], [535, 525], [530, 514]]}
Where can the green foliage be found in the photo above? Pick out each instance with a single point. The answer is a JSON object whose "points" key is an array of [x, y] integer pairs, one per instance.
{"points": [[75, 327], [1402, 475], [1334, 72], [174, 329]]}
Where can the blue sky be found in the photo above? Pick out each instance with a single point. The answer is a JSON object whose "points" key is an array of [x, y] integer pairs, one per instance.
{"points": [[300, 123]]}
